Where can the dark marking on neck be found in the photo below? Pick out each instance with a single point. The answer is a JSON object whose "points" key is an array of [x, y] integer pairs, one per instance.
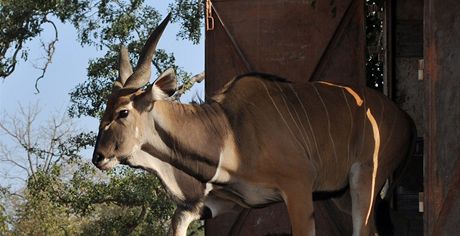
{"points": [[201, 167]]}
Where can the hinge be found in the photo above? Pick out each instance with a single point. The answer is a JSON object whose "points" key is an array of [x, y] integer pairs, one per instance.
{"points": [[420, 202], [421, 65]]}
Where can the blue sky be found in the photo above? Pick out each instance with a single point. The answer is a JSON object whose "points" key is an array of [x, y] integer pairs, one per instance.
{"points": [[68, 69]]}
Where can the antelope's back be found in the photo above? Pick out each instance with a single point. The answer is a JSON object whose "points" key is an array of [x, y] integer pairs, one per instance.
{"points": [[330, 123]]}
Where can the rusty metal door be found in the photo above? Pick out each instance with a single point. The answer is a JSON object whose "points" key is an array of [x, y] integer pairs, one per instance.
{"points": [[299, 40]]}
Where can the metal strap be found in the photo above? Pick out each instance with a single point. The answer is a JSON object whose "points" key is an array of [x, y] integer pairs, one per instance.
{"points": [[210, 26]]}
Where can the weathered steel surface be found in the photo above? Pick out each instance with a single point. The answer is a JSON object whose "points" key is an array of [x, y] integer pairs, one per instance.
{"points": [[272, 220], [442, 73], [448, 221], [287, 38], [292, 39], [408, 28]]}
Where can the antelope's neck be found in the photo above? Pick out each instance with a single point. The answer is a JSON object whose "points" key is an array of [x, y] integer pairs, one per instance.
{"points": [[189, 137]]}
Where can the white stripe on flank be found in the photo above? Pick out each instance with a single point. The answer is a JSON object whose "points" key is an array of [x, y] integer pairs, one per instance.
{"points": [[282, 116], [283, 97], [216, 175], [351, 127], [375, 160], [328, 123], [209, 188], [358, 99]]}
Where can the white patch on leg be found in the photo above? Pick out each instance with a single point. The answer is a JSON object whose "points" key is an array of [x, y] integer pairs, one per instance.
{"points": [[385, 188], [209, 188]]}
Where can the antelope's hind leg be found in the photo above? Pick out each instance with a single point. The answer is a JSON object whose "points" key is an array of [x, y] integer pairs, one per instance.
{"points": [[363, 196]]}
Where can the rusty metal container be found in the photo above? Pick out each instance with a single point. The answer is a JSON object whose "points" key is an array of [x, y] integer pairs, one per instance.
{"points": [[300, 41]]}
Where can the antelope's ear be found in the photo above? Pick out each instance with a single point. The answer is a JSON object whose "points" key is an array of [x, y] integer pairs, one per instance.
{"points": [[167, 82]]}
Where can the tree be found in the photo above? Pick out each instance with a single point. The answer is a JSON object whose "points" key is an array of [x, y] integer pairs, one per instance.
{"points": [[59, 183], [35, 149], [63, 193], [35, 155], [25, 20], [103, 24]]}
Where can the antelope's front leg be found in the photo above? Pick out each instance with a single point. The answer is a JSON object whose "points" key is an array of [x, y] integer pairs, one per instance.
{"points": [[181, 220], [299, 201]]}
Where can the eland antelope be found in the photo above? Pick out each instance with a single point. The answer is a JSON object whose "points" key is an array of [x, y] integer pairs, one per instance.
{"points": [[192, 198], [261, 139]]}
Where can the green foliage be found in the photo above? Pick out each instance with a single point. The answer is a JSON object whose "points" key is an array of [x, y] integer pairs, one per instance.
{"points": [[66, 195], [113, 22], [127, 202], [128, 23], [103, 24], [39, 214], [131, 202], [3, 220], [24, 20], [189, 14]]}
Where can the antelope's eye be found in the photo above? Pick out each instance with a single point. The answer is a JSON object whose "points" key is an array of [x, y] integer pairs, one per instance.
{"points": [[123, 114]]}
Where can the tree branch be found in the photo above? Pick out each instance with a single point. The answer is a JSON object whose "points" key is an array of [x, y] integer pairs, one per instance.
{"points": [[182, 89], [10, 69], [139, 220], [50, 48]]}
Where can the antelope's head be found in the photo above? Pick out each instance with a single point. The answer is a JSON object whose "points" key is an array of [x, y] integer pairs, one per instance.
{"points": [[120, 131]]}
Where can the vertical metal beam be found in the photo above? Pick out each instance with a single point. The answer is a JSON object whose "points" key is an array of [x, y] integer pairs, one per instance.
{"points": [[388, 33], [442, 73]]}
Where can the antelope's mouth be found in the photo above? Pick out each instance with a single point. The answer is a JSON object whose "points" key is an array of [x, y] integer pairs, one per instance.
{"points": [[124, 160], [108, 163]]}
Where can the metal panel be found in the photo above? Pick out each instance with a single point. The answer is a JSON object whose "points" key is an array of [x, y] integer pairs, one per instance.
{"points": [[298, 41], [442, 73], [287, 38]]}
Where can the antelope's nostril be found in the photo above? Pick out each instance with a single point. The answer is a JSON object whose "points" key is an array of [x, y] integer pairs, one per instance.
{"points": [[98, 157]]}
